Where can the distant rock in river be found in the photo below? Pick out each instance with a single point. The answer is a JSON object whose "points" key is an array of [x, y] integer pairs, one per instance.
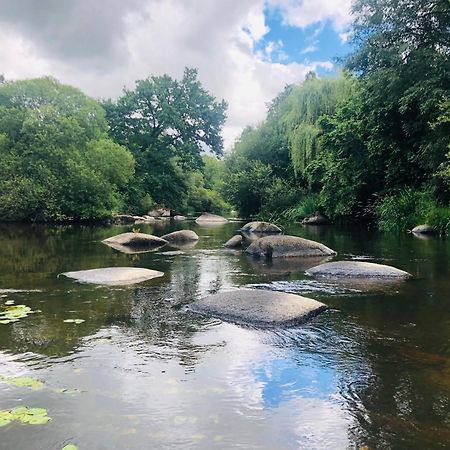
{"points": [[181, 236], [287, 246], [211, 219], [357, 269], [134, 242], [260, 227], [114, 276]]}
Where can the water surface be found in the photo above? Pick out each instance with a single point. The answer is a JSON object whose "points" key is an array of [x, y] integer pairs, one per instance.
{"points": [[373, 371]]}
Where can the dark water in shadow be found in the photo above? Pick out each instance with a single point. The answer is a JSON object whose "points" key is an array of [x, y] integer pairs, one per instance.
{"points": [[371, 372]]}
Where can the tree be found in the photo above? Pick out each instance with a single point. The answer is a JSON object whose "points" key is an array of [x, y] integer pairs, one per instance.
{"points": [[55, 158], [167, 124]]}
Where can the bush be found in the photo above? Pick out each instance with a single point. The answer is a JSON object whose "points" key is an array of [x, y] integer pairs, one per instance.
{"points": [[306, 207], [407, 208]]}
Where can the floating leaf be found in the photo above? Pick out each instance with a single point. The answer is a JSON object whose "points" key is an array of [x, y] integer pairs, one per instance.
{"points": [[23, 382], [32, 416], [75, 321], [12, 313]]}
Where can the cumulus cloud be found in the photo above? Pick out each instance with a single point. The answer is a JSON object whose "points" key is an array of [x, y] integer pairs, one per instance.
{"points": [[104, 45], [303, 13]]}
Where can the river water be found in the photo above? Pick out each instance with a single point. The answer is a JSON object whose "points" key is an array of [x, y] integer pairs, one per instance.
{"points": [[372, 372]]}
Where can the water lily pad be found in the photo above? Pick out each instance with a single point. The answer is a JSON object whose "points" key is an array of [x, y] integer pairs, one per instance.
{"points": [[32, 416], [75, 321], [23, 382], [12, 313]]}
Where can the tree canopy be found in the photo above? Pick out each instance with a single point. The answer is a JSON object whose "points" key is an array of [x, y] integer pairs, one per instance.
{"points": [[56, 161]]}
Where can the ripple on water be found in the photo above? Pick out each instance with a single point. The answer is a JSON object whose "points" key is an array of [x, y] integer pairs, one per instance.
{"points": [[304, 287]]}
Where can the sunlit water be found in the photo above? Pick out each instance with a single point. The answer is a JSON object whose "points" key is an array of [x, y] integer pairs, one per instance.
{"points": [[373, 371]]}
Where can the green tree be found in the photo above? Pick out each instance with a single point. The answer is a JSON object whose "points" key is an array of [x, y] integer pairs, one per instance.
{"points": [[167, 124], [56, 160]]}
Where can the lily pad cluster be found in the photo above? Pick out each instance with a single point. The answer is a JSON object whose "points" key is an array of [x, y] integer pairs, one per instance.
{"points": [[23, 382], [32, 416], [13, 313], [75, 321]]}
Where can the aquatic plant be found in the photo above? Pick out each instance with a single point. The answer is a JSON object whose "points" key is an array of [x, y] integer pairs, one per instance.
{"points": [[23, 382], [12, 313], [32, 416]]}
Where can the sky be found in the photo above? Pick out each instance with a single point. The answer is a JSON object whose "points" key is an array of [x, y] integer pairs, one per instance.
{"points": [[246, 51]]}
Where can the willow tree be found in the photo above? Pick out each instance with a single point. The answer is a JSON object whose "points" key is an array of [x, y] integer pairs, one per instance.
{"points": [[304, 106]]}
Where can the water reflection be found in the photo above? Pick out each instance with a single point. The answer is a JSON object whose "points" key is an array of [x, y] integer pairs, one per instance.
{"points": [[140, 372]]}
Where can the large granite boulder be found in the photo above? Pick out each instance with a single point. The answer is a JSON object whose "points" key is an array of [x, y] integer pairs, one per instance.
{"points": [[258, 307], [357, 269], [234, 242], [316, 219], [260, 227], [135, 241], [287, 246], [423, 229], [114, 276], [211, 219], [181, 236]]}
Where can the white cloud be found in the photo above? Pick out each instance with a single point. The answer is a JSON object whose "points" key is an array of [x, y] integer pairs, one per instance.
{"points": [[155, 37], [303, 13], [309, 49]]}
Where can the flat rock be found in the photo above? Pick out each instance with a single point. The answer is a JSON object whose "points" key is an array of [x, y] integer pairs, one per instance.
{"points": [[179, 217], [213, 219], [260, 227], [114, 276], [181, 236], [423, 229], [286, 247], [234, 242], [357, 269], [135, 240], [258, 307]]}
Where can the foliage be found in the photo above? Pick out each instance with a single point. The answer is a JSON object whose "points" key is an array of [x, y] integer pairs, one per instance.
{"points": [[167, 124], [305, 208], [404, 210], [32, 416], [55, 159]]}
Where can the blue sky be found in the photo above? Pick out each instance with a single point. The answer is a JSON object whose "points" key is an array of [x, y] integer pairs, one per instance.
{"points": [[319, 41]]}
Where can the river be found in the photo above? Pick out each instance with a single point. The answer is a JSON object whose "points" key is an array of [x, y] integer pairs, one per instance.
{"points": [[371, 372]]}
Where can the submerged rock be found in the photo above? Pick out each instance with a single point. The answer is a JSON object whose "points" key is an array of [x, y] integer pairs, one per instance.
{"points": [[114, 276], [181, 236], [423, 229], [287, 246], [135, 241], [258, 307], [212, 219], [234, 242], [357, 269], [260, 227], [316, 219]]}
